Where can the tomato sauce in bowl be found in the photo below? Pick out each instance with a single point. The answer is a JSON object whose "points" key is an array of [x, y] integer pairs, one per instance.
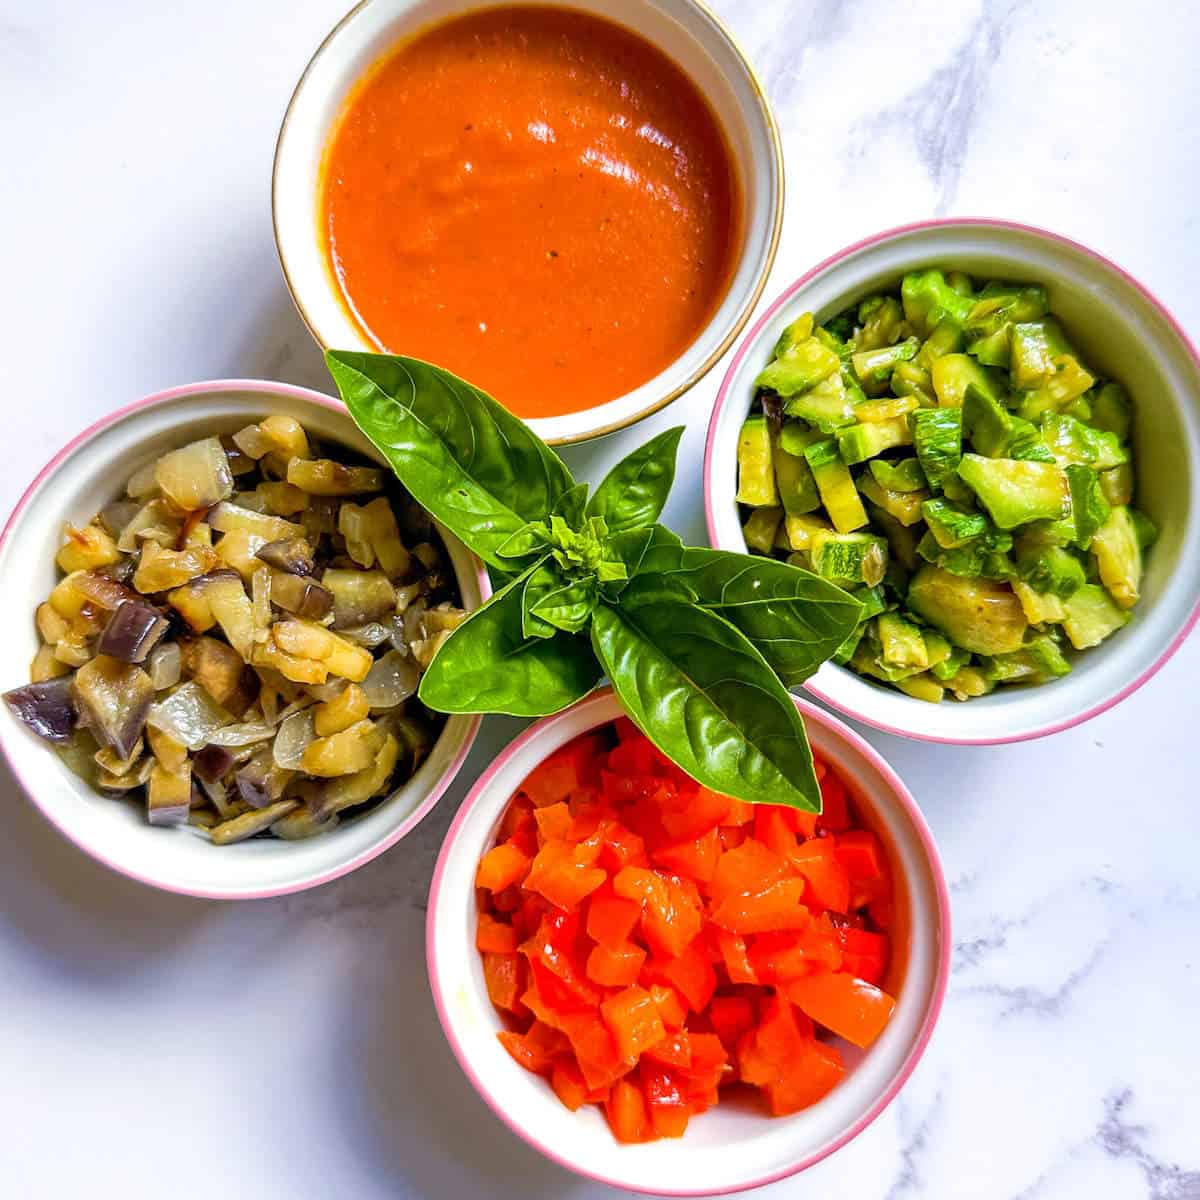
{"points": [[535, 198]]}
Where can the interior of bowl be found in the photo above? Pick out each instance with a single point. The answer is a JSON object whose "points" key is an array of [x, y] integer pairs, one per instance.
{"points": [[1122, 331], [733, 1145], [689, 34], [91, 473]]}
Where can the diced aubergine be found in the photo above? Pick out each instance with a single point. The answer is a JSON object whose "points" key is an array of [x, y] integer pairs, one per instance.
{"points": [[979, 615], [48, 708], [133, 630], [114, 697], [756, 472], [1013, 491], [836, 486]]}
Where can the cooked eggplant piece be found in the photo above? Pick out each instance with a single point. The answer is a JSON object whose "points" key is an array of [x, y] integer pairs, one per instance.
{"points": [[359, 597], [160, 570], [301, 596], [248, 824], [48, 708], [324, 477], [132, 632], [170, 752], [349, 790], [293, 555], [212, 763], [46, 665], [343, 753], [195, 476], [115, 697], [300, 823], [169, 795]]}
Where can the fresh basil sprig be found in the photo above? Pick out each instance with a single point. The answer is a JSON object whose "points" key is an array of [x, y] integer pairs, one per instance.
{"points": [[700, 645]]}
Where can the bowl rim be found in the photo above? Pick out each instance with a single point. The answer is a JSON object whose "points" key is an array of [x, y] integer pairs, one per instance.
{"points": [[263, 387], [740, 318], [906, 804], [769, 314]]}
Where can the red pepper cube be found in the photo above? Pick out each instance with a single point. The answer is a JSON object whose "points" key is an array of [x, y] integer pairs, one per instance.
{"points": [[696, 859], [615, 967], [611, 918], [567, 769], [861, 854], [568, 1083], [732, 1017], [626, 1113], [835, 804], [495, 937], [828, 884], [560, 877], [553, 822], [501, 867], [633, 1020], [674, 1050], [691, 974], [504, 975], [735, 956], [851, 1008], [666, 1102]]}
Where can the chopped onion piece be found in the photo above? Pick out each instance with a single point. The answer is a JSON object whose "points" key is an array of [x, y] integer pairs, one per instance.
{"points": [[165, 665], [391, 681], [190, 715], [370, 636], [196, 476], [242, 734], [295, 735], [142, 483]]}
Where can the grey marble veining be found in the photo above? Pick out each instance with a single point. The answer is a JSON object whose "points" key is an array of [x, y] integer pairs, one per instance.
{"points": [[289, 1048]]}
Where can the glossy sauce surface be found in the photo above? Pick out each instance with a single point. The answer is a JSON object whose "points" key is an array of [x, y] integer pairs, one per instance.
{"points": [[535, 199]]}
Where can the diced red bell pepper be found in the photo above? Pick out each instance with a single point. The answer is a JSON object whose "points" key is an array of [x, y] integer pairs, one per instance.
{"points": [[617, 967], [835, 804], [765, 1052], [708, 1069], [812, 1075], [776, 906], [800, 822], [731, 1017], [536, 1048], [611, 918], [691, 974], [864, 954], [501, 867], [494, 937], [735, 956], [671, 920], [828, 883], [778, 956], [626, 1113], [634, 755], [560, 994], [666, 1103], [562, 773], [559, 876], [696, 859], [674, 1050], [670, 1004], [772, 829], [568, 1083], [851, 1008], [686, 815], [507, 900], [504, 975], [633, 1019], [518, 817], [620, 847], [554, 822], [595, 1050], [732, 836], [741, 812], [861, 855]]}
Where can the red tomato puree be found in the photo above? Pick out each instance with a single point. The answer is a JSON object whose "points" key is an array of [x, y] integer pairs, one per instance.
{"points": [[536, 199], [649, 942]]}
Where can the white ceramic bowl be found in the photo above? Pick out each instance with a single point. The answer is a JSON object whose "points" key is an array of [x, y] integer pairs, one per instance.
{"points": [[683, 29], [84, 476], [1122, 329], [730, 1147]]}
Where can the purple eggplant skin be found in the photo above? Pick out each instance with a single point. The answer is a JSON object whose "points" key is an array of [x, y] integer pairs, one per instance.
{"points": [[114, 697], [176, 814], [212, 763], [252, 787], [293, 555], [132, 632], [48, 708]]}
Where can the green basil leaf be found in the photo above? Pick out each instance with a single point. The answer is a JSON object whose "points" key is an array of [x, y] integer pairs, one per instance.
{"points": [[487, 665], [708, 699], [569, 606], [530, 539], [795, 619], [633, 493], [571, 505], [465, 459], [627, 548], [540, 579]]}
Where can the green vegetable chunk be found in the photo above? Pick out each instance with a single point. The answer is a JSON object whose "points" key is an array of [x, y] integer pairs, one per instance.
{"points": [[834, 482], [1048, 568], [1072, 441], [928, 300], [1118, 553], [1089, 508], [756, 471], [996, 432], [904, 506], [953, 374], [1035, 348], [950, 526], [905, 475], [937, 436], [901, 643], [1111, 411], [850, 557], [874, 367], [979, 615], [793, 478], [1092, 616], [762, 528], [860, 442], [1015, 492], [828, 405], [801, 366]]}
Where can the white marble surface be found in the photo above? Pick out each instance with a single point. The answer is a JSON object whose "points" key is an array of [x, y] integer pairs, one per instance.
{"points": [[155, 1045]]}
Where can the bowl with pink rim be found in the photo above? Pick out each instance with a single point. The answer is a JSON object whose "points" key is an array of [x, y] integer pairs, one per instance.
{"points": [[1128, 335], [734, 1145], [88, 473]]}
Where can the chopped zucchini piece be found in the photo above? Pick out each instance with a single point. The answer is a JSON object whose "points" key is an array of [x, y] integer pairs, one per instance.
{"points": [[756, 474], [994, 431], [1035, 347], [1112, 412], [1092, 616], [904, 506], [801, 528], [1117, 484], [928, 300], [904, 475], [1013, 491], [950, 526], [946, 338], [937, 436], [976, 558], [1072, 441], [860, 442], [800, 367], [1118, 553], [969, 683], [979, 615], [800, 330], [886, 409], [874, 367], [946, 668], [850, 557], [1049, 569], [960, 282], [1089, 508], [1041, 608], [871, 599], [922, 687], [880, 318], [1147, 531], [761, 527], [834, 482], [901, 643], [828, 405], [1062, 389], [795, 437], [794, 482], [902, 539], [954, 373]]}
